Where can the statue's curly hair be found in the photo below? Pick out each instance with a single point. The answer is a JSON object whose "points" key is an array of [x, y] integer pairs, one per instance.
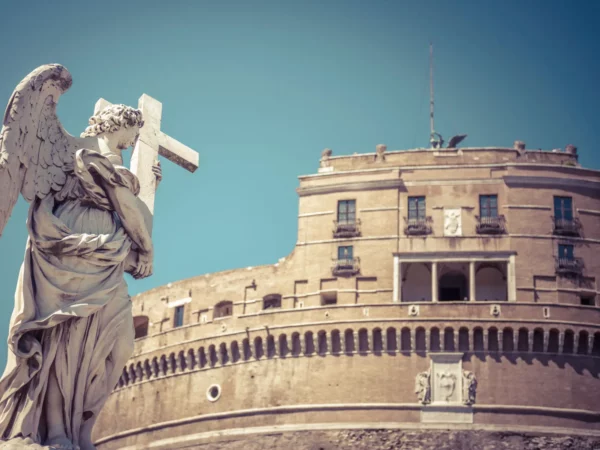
{"points": [[112, 118]]}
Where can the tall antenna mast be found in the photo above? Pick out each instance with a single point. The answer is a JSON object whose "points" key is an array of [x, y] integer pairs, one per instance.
{"points": [[435, 139], [432, 129]]}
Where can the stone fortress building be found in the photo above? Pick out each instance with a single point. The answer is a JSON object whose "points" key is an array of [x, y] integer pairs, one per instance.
{"points": [[429, 289]]}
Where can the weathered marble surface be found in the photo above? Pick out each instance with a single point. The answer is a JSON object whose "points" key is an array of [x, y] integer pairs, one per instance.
{"points": [[90, 219], [71, 330]]}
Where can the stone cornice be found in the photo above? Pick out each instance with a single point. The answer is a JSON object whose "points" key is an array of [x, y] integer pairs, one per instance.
{"points": [[578, 171], [551, 182], [454, 256], [352, 186]]}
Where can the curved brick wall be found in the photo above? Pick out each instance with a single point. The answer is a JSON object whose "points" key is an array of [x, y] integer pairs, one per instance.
{"points": [[306, 365]]}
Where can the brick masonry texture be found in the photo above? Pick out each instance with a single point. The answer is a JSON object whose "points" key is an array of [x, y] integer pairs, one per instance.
{"points": [[528, 333]]}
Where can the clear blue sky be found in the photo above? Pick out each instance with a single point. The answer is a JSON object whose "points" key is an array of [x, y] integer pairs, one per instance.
{"points": [[259, 88]]}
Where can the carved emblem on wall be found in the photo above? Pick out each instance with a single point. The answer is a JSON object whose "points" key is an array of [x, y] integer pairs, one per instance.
{"points": [[446, 384], [495, 310], [413, 310], [423, 387], [469, 387], [452, 222]]}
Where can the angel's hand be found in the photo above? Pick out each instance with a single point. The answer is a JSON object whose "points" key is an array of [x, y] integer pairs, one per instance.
{"points": [[157, 170], [144, 266]]}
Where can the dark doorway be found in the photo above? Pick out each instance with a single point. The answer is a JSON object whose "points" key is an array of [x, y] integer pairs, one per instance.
{"points": [[453, 287]]}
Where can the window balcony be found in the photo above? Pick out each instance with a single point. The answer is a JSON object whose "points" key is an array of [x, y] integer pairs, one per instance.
{"points": [[345, 267], [569, 266], [567, 227], [417, 227], [346, 228], [491, 225]]}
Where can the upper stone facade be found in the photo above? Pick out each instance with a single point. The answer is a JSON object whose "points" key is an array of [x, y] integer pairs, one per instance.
{"points": [[485, 256]]}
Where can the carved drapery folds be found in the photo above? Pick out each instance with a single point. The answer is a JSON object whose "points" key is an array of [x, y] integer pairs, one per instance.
{"points": [[469, 386], [423, 387], [446, 381]]}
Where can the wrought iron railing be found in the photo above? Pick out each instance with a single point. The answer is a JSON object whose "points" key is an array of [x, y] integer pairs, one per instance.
{"points": [[345, 267], [417, 226], [567, 227], [346, 228], [491, 225], [572, 266]]}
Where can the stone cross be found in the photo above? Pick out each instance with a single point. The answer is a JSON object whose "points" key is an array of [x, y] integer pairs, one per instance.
{"points": [[151, 143]]}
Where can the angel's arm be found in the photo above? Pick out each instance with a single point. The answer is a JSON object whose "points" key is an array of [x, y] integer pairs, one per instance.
{"points": [[125, 204]]}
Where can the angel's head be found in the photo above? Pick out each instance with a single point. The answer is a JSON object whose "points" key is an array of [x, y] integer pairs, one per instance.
{"points": [[119, 122]]}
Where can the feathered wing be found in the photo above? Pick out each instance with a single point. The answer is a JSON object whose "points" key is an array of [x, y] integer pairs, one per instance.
{"points": [[35, 150], [456, 140]]}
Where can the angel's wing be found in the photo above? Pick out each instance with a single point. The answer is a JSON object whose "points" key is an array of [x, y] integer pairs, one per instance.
{"points": [[35, 150], [456, 140]]}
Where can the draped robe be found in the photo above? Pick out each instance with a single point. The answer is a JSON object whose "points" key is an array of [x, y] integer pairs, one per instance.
{"points": [[72, 312]]}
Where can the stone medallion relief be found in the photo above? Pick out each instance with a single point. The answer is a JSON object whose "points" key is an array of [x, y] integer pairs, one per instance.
{"points": [[452, 222]]}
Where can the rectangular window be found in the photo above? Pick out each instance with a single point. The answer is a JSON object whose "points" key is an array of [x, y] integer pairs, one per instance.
{"points": [[345, 252], [416, 208], [488, 206], [563, 208], [178, 319], [273, 301], [565, 251], [588, 300], [329, 298], [346, 211]]}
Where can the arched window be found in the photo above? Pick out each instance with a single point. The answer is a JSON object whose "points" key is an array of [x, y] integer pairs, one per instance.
{"points": [[363, 340], [377, 341], [296, 345], [223, 309], [235, 352], [449, 340], [392, 344], [270, 346], [336, 342], [349, 345], [272, 301], [140, 324], [405, 341], [284, 350], [508, 338], [434, 340], [463, 339], [493, 343]]}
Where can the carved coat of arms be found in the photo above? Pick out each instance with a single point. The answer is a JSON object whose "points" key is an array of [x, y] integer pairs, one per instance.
{"points": [[446, 384], [452, 222]]}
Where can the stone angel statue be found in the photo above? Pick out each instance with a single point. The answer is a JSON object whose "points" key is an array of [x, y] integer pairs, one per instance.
{"points": [[71, 329], [423, 387]]}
